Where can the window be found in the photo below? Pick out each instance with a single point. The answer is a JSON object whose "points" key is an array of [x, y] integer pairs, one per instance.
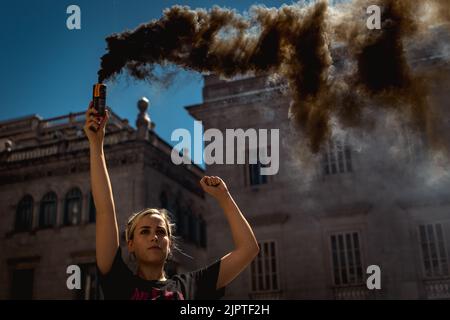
{"points": [[434, 254], [24, 214], [72, 207], [175, 209], [255, 174], [413, 143], [163, 199], [202, 232], [92, 210], [183, 222], [346, 258], [196, 228], [47, 212], [191, 225], [264, 269], [337, 158], [22, 284], [89, 283], [179, 223], [177, 213], [254, 171]]}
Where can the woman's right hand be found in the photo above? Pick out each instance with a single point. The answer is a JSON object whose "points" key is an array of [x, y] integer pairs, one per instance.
{"points": [[93, 119]]}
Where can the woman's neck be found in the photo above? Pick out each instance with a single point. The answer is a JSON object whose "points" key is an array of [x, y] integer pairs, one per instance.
{"points": [[151, 272]]}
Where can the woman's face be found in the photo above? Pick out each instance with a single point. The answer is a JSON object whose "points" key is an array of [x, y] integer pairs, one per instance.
{"points": [[150, 241]]}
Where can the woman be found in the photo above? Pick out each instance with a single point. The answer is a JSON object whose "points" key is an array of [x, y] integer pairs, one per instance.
{"points": [[150, 239]]}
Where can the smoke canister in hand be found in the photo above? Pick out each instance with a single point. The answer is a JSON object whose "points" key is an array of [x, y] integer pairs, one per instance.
{"points": [[99, 99]]}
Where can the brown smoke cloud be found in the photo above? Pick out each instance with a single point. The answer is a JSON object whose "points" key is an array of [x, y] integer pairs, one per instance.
{"points": [[298, 43], [383, 73]]}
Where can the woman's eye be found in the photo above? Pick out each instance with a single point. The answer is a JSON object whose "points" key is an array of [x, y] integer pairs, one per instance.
{"points": [[161, 232], [144, 231]]}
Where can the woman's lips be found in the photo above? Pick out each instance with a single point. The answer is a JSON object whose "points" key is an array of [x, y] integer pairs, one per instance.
{"points": [[154, 248]]}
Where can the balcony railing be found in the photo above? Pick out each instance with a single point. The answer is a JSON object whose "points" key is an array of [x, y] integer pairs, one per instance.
{"points": [[359, 292], [61, 147], [79, 117], [32, 154], [272, 295], [437, 289]]}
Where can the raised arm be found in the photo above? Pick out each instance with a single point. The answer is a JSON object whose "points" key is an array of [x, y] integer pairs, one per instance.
{"points": [[106, 231], [246, 246]]}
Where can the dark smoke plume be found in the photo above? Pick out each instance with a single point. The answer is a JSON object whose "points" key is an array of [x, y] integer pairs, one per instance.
{"points": [[298, 43], [383, 73]]}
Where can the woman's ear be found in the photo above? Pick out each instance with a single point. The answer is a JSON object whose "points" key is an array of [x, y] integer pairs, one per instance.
{"points": [[130, 246]]}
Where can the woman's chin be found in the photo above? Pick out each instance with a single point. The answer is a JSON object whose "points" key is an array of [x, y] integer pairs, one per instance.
{"points": [[152, 258]]}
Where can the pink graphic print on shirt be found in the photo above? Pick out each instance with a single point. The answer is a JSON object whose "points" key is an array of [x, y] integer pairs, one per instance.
{"points": [[156, 294]]}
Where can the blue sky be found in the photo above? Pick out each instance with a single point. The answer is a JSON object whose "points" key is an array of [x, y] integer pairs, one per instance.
{"points": [[49, 70]]}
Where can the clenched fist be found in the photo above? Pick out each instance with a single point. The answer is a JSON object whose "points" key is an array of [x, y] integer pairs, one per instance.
{"points": [[215, 187]]}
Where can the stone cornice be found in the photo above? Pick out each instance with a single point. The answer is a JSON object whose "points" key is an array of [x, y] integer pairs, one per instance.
{"points": [[68, 159], [240, 100], [268, 219]]}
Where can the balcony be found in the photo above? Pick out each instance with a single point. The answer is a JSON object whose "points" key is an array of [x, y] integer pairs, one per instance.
{"points": [[437, 289], [269, 295], [357, 292], [61, 147]]}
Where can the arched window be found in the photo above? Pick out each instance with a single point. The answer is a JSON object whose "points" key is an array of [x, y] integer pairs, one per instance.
{"points": [[202, 231], [176, 208], [180, 227], [24, 214], [184, 222], [92, 211], [164, 200], [191, 220], [47, 212], [72, 207], [196, 227]]}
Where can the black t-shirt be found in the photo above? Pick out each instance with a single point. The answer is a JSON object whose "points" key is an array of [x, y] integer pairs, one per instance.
{"points": [[121, 284]]}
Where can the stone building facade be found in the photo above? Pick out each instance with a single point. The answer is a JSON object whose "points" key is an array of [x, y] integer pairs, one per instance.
{"points": [[48, 216], [370, 197]]}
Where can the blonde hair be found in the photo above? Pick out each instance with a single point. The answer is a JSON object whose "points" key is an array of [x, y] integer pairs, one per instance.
{"points": [[136, 217]]}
